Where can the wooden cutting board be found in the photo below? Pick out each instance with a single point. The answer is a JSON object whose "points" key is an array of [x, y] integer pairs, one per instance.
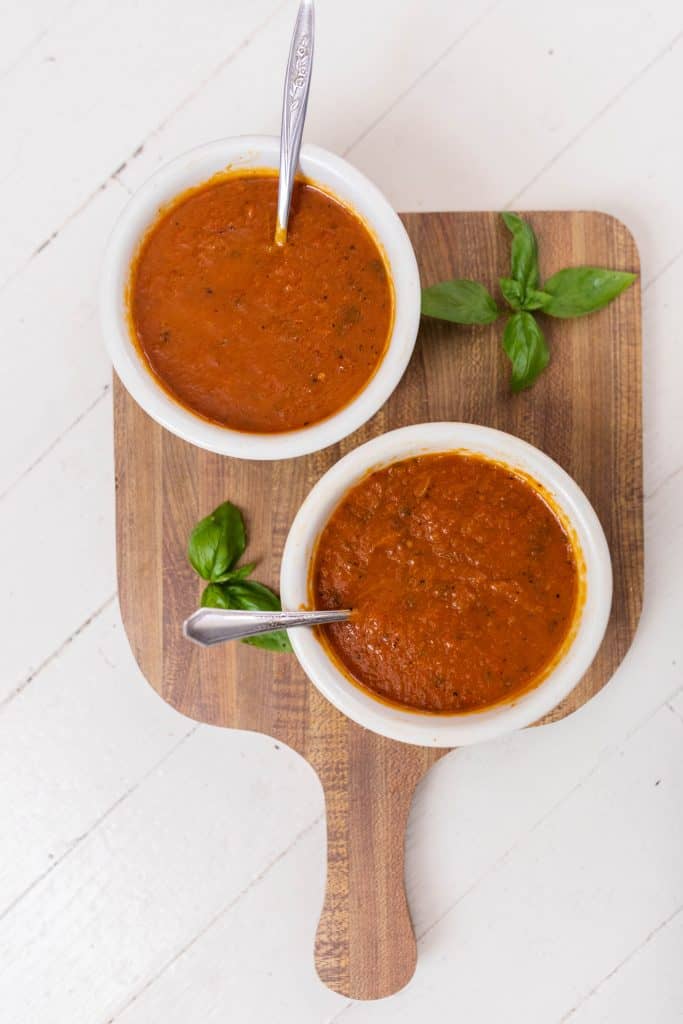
{"points": [[585, 412]]}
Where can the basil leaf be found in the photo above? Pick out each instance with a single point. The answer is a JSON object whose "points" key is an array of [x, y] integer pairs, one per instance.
{"points": [[524, 252], [525, 345], [237, 574], [512, 292], [461, 302], [250, 596], [217, 542], [253, 596], [216, 596], [580, 290], [535, 299], [257, 597], [275, 641]]}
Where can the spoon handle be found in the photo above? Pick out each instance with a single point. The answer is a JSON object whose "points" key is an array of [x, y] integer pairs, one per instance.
{"points": [[294, 101], [210, 626]]}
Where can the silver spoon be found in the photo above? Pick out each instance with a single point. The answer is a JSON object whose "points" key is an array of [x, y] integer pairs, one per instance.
{"points": [[294, 101], [210, 626]]}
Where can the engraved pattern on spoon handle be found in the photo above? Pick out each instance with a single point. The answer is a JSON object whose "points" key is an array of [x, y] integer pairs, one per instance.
{"points": [[294, 102]]}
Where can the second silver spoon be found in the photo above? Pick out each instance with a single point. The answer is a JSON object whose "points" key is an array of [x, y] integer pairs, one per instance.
{"points": [[210, 626]]}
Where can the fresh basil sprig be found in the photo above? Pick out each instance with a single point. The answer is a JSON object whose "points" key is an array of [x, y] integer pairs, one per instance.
{"points": [[572, 292], [216, 545]]}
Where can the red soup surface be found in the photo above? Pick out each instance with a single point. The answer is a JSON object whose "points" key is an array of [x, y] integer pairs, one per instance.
{"points": [[254, 336], [463, 582]]}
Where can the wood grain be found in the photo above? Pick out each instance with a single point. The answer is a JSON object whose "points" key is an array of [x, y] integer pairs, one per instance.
{"points": [[585, 412]]}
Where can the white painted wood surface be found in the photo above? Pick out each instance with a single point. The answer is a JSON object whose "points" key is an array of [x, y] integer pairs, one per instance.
{"points": [[545, 872]]}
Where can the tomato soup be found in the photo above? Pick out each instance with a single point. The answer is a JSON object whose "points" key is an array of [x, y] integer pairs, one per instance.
{"points": [[254, 336], [462, 579]]}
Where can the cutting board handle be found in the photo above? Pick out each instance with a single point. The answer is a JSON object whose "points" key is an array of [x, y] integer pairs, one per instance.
{"points": [[365, 945]]}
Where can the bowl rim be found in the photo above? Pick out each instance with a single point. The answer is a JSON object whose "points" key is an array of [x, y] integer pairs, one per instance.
{"points": [[434, 730], [193, 168]]}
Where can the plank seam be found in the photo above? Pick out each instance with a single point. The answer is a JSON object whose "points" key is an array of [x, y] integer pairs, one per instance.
{"points": [[53, 444], [31, 45], [75, 843], [602, 758], [56, 653], [674, 710], [662, 270], [600, 114], [423, 74], [615, 970], [214, 920], [650, 495], [136, 152]]}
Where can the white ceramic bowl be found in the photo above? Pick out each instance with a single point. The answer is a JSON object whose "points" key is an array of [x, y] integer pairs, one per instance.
{"points": [[193, 168], [452, 730]]}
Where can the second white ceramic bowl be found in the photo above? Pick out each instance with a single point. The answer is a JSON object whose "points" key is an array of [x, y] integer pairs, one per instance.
{"points": [[193, 168], [451, 730]]}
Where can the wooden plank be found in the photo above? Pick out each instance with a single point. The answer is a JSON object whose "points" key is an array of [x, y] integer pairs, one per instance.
{"points": [[585, 412], [62, 87], [59, 506]]}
